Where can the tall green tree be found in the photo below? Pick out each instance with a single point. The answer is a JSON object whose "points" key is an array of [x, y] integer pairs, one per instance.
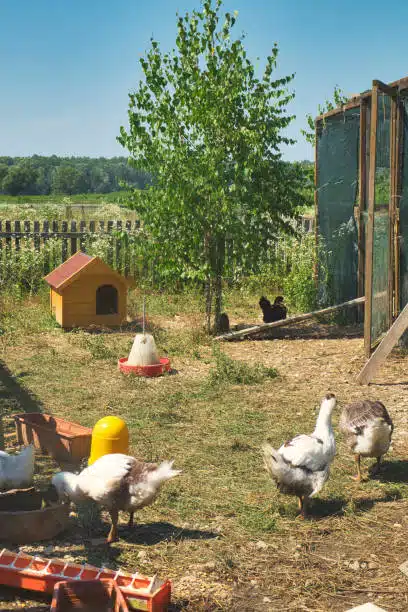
{"points": [[20, 179], [209, 130], [338, 100], [66, 179]]}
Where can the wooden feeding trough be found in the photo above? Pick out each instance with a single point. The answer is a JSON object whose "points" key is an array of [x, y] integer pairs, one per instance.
{"points": [[38, 574], [64, 441], [23, 519], [89, 596]]}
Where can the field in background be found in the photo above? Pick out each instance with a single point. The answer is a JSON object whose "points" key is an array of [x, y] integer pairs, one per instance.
{"points": [[222, 532], [66, 208]]}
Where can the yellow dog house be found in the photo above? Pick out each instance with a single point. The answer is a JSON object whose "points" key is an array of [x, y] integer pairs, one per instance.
{"points": [[85, 291]]}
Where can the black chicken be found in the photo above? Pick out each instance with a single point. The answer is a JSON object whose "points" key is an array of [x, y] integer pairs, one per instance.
{"points": [[273, 312]]}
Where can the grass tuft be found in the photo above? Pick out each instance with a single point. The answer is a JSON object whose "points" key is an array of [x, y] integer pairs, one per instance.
{"points": [[236, 372]]}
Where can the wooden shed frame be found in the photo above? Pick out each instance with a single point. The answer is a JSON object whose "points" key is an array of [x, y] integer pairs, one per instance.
{"points": [[367, 103], [74, 289]]}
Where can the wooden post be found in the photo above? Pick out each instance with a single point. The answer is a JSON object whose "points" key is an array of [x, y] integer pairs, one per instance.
{"points": [[126, 263], [17, 229], [391, 209], [82, 229], [55, 261], [316, 208], [296, 319], [8, 238], [362, 195], [398, 181], [37, 237], [46, 254], [370, 223], [118, 245], [384, 348], [74, 247], [64, 246]]}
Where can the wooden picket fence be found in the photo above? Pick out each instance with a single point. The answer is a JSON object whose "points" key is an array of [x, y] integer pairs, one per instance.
{"points": [[73, 236], [120, 254]]}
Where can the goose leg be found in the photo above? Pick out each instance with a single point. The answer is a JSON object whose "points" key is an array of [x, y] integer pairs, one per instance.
{"points": [[113, 534], [302, 506], [303, 510], [130, 523], [376, 468], [358, 475]]}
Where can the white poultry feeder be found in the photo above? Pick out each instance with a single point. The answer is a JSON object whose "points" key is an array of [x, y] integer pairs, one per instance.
{"points": [[143, 358], [143, 352]]}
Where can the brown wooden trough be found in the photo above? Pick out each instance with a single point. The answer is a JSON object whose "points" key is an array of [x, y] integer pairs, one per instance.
{"points": [[28, 515], [64, 441]]}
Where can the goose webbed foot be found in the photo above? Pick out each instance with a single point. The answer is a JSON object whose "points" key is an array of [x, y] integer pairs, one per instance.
{"points": [[113, 534]]}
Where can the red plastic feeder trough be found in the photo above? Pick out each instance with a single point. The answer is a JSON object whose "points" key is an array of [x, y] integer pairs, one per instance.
{"points": [[157, 369]]}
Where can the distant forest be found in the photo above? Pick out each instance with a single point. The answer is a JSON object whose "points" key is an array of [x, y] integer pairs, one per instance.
{"points": [[39, 175]]}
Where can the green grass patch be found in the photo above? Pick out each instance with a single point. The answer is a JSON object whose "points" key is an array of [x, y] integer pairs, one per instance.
{"points": [[235, 372]]}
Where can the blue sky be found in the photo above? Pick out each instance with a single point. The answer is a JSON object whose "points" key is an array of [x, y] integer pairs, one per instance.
{"points": [[67, 65]]}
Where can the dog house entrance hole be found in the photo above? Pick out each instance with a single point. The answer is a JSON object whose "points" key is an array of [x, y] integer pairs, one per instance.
{"points": [[106, 300]]}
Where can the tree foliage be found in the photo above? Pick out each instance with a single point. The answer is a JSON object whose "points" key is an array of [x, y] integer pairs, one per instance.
{"points": [[210, 131], [339, 98], [39, 175]]}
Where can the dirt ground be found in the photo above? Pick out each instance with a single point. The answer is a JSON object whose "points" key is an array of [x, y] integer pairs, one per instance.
{"points": [[348, 553]]}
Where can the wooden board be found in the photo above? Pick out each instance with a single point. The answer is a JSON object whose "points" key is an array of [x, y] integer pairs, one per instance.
{"points": [[384, 348], [370, 224], [362, 195], [296, 319]]}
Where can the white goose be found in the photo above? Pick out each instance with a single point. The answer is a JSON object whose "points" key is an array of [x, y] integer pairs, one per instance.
{"points": [[368, 429], [301, 466]]}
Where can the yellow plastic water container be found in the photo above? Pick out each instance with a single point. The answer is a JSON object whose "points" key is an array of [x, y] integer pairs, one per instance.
{"points": [[110, 435]]}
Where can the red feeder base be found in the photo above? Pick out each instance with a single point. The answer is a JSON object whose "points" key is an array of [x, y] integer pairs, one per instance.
{"points": [[149, 370]]}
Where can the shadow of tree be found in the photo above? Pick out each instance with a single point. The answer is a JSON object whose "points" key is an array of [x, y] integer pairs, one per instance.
{"points": [[13, 396]]}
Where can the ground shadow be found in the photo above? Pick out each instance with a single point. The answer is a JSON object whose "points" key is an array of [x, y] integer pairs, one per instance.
{"points": [[10, 597], [323, 508], [150, 534], [15, 398], [307, 330], [391, 471], [134, 326], [390, 384]]}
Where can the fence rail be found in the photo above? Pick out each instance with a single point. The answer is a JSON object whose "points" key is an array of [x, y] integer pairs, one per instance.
{"points": [[118, 242]]}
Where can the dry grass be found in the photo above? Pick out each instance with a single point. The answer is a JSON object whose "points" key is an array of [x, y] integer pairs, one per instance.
{"points": [[221, 531]]}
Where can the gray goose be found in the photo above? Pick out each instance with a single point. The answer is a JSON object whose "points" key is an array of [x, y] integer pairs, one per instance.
{"points": [[368, 429]]}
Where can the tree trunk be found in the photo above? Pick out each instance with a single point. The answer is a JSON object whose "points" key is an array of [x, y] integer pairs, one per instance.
{"points": [[207, 286], [219, 272], [208, 303]]}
